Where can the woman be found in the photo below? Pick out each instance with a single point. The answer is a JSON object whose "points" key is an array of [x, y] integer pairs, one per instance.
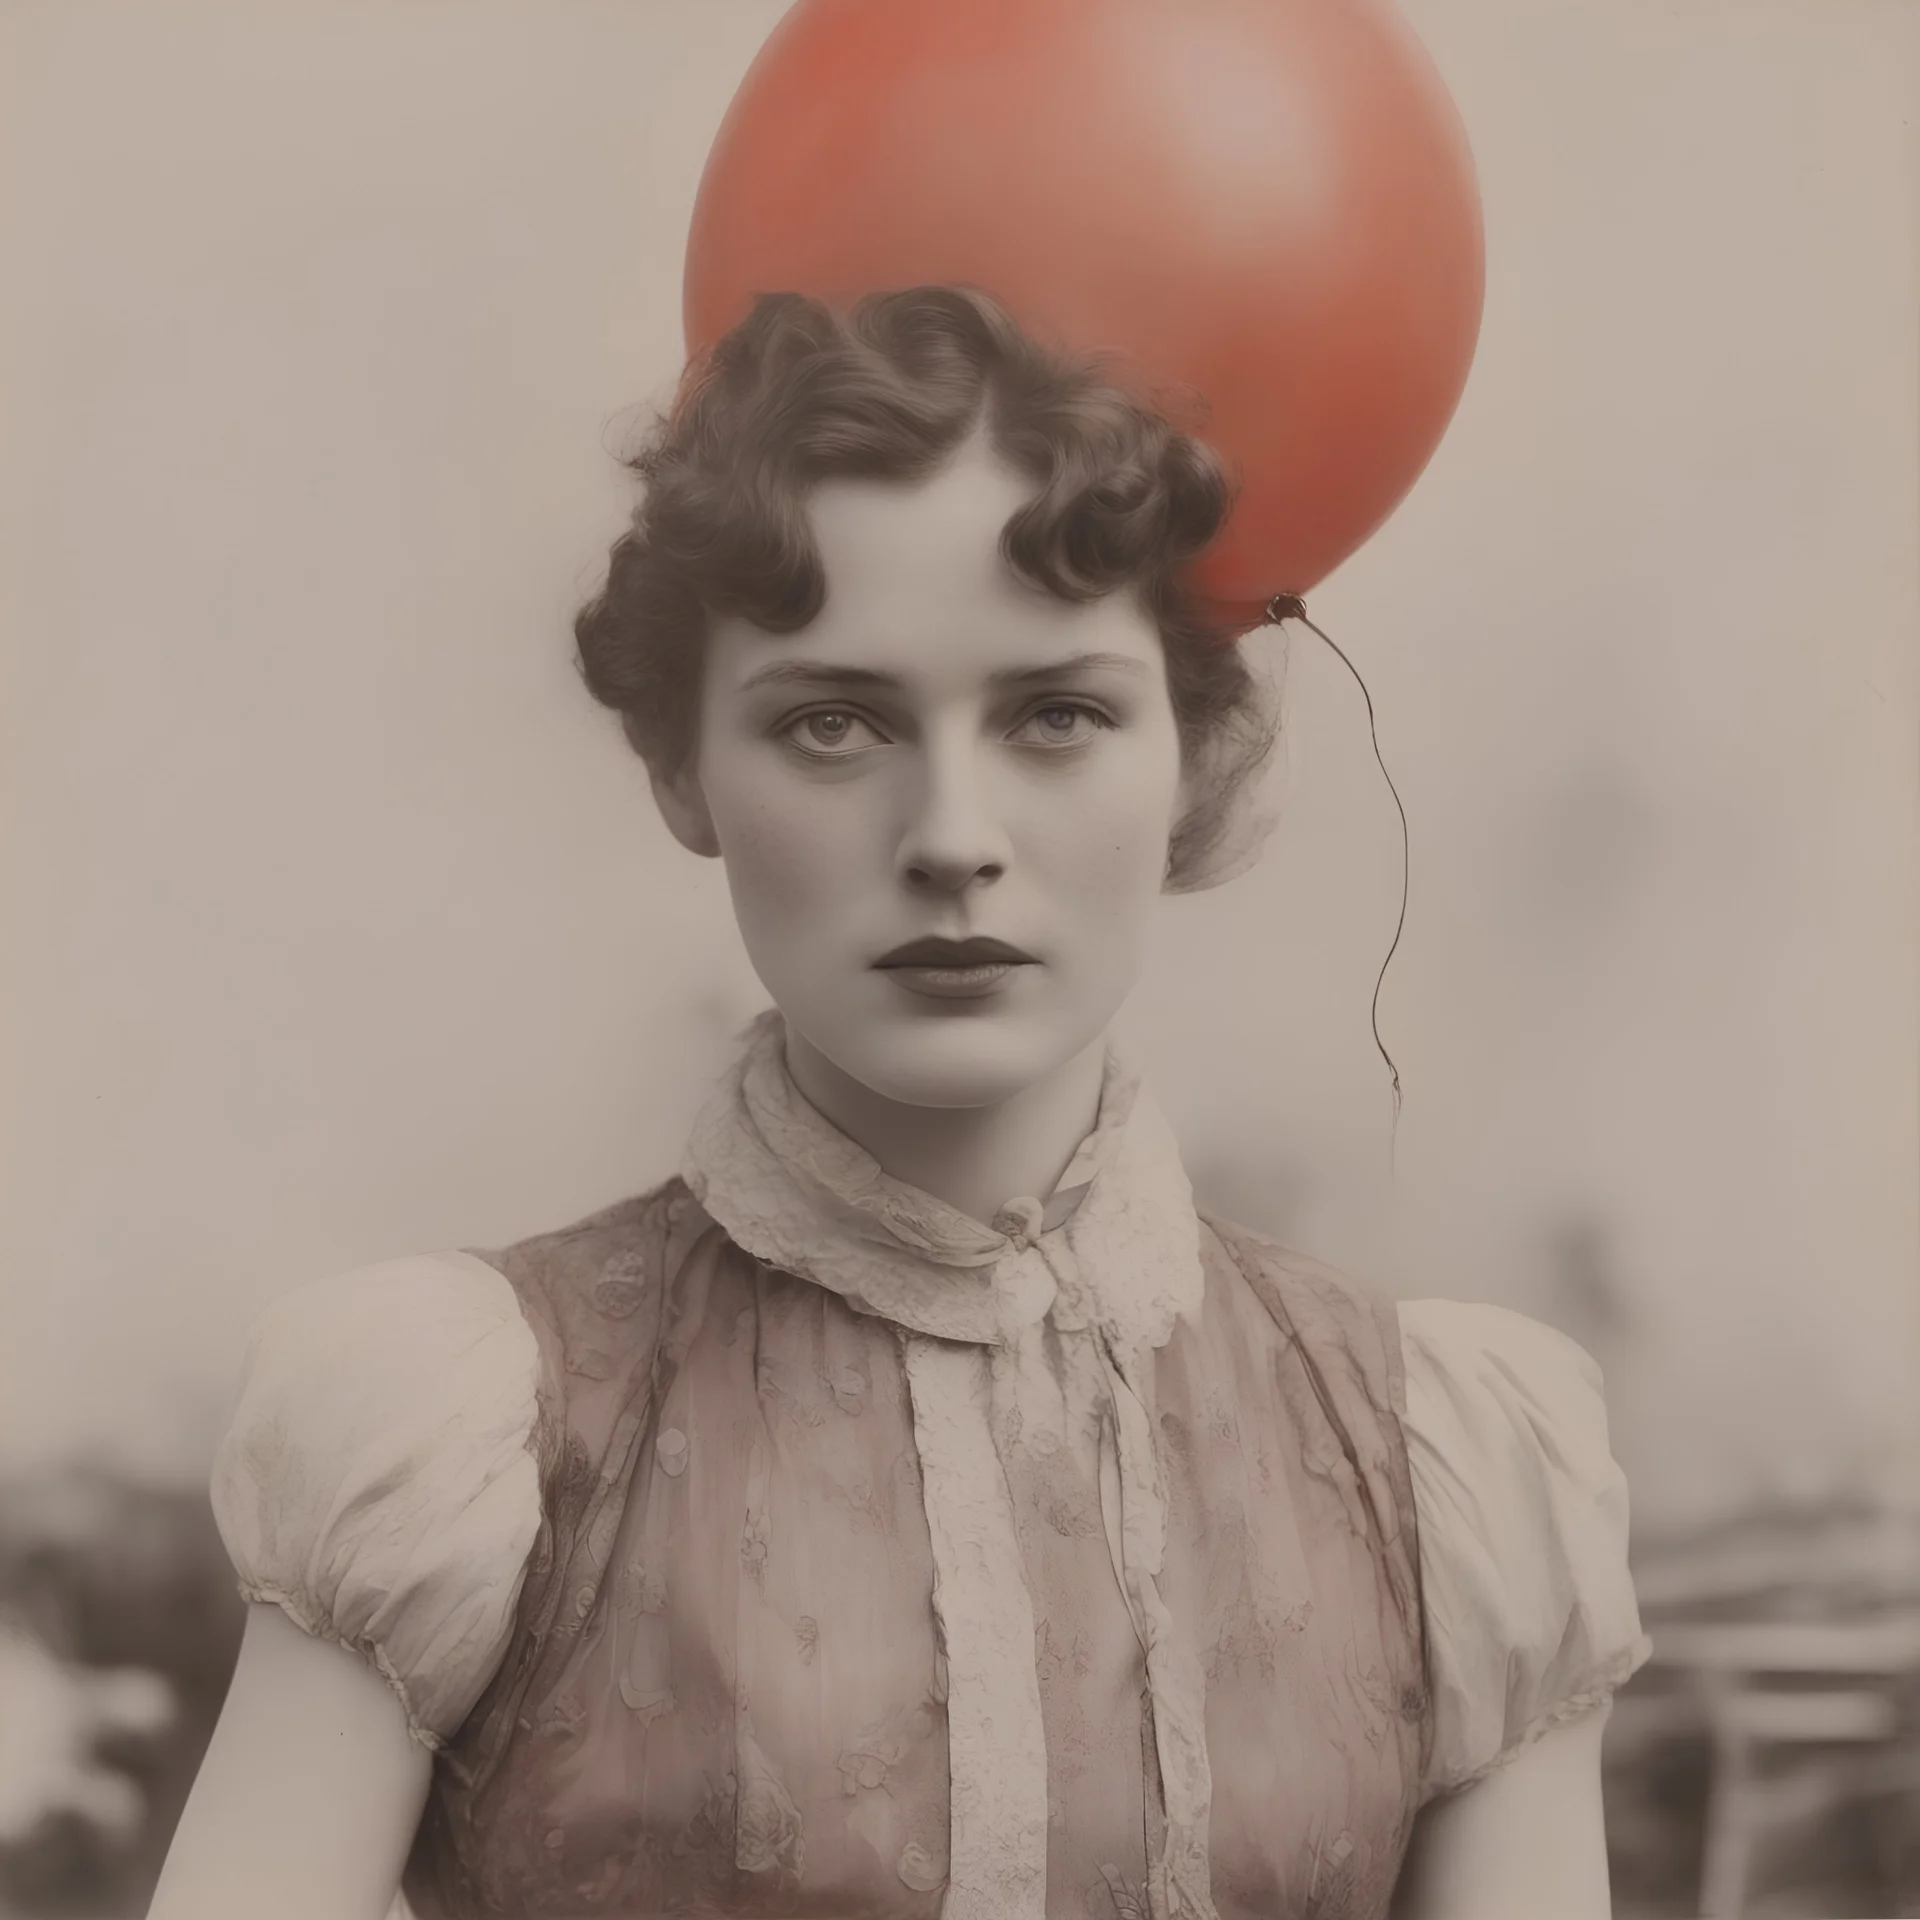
{"points": [[916, 1507]]}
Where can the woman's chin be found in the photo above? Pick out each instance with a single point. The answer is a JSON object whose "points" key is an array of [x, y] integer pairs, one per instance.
{"points": [[991, 1053]]}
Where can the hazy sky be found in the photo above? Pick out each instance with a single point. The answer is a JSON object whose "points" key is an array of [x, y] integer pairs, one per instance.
{"points": [[338, 921]]}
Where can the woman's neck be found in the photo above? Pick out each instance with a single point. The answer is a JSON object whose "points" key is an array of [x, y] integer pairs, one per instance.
{"points": [[973, 1158]]}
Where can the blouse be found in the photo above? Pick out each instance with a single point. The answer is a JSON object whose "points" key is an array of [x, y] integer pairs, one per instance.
{"points": [[786, 1542]]}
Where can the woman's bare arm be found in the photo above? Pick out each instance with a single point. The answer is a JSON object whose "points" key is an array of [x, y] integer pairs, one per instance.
{"points": [[307, 1801], [1527, 1841]]}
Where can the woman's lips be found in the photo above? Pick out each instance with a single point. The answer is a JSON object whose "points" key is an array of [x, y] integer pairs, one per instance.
{"points": [[955, 983]]}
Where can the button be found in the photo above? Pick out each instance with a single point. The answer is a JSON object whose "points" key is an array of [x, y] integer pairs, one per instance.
{"points": [[1020, 1220], [671, 1451], [848, 1385], [921, 1868], [618, 1298]]}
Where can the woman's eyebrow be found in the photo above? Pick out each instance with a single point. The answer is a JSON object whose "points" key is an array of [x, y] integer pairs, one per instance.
{"points": [[824, 673]]}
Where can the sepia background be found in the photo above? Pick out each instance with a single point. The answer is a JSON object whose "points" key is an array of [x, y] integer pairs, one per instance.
{"points": [[338, 923]]}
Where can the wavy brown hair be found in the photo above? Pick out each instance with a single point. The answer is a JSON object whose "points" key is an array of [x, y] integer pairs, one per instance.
{"points": [[799, 393]]}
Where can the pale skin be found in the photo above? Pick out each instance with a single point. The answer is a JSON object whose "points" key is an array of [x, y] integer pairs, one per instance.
{"points": [[907, 786]]}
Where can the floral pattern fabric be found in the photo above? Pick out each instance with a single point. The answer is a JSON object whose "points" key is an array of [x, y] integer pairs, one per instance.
{"points": [[876, 1561]]}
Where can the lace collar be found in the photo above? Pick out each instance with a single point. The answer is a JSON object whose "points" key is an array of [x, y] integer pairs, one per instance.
{"points": [[1115, 1247]]}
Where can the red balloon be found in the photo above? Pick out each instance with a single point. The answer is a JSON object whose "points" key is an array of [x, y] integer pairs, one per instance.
{"points": [[1265, 208]]}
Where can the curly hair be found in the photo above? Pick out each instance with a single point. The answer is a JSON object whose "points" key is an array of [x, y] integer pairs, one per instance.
{"points": [[798, 393]]}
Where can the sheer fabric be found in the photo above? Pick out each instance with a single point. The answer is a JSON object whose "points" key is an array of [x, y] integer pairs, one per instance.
{"points": [[863, 1559]]}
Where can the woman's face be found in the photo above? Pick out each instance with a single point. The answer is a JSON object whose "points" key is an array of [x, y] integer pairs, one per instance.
{"points": [[943, 753]]}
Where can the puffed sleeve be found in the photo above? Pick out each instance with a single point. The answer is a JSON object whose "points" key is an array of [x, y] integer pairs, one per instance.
{"points": [[1522, 1513], [377, 1482]]}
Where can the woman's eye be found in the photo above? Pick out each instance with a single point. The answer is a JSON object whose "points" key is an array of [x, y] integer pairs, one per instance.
{"points": [[833, 733], [826, 733], [1062, 724]]}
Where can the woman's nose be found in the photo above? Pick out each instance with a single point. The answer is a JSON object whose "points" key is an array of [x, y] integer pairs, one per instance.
{"points": [[953, 834]]}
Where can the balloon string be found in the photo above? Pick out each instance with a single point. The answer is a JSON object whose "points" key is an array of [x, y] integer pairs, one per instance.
{"points": [[1289, 606]]}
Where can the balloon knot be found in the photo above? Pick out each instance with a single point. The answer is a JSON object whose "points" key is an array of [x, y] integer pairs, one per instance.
{"points": [[1286, 606]]}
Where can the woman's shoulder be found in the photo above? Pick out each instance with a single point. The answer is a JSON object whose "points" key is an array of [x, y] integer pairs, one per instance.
{"points": [[380, 1478], [1455, 1347], [411, 1306], [611, 1263], [603, 1292], [1508, 1431], [464, 1320], [1500, 1438], [377, 1481], [1457, 1360], [372, 1354], [1337, 1366], [1523, 1515], [1315, 1303]]}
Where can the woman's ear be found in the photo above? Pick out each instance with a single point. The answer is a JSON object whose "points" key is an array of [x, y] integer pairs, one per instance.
{"points": [[683, 806]]}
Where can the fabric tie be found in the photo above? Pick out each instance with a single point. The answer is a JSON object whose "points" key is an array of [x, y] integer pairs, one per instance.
{"points": [[1112, 1259]]}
